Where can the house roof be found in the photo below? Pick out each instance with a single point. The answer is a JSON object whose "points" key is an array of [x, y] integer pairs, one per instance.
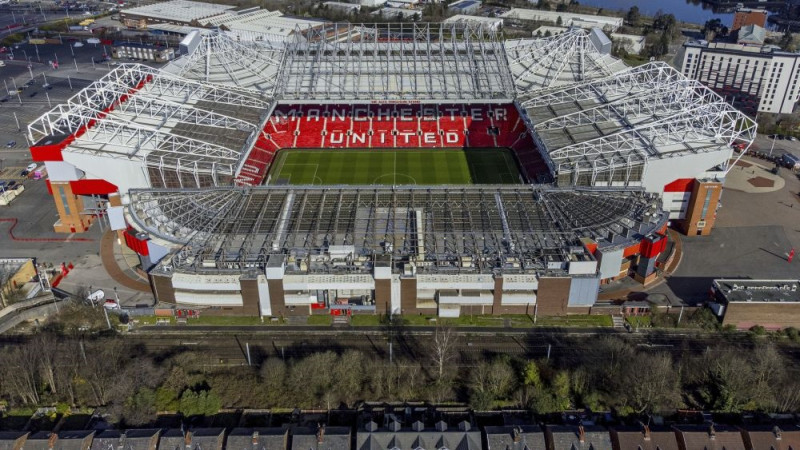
{"points": [[771, 437], [172, 439], [644, 438], [142, 439], [108, 440], [257, 439], [751, 34], [524, 437], [12, 440], [325, 438], [208, 438], [41, 440], [570, 437], [394, 436], [75, 440], [709, 437]]}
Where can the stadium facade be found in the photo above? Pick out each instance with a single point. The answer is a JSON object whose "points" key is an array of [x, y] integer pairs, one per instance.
{"points": [[179, 160]]}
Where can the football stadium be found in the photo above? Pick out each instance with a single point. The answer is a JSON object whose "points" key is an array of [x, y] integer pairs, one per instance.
{"points": [[391, 168]]}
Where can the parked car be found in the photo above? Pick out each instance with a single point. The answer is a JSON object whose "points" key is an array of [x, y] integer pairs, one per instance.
{"points": [[24, 173], [11, 144], [31, 166], [791, 161], [33, 94], [11, 184], [791, 138]]}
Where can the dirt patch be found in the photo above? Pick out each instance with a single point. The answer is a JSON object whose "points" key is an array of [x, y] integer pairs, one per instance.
{"points": [[742, 163], [761, 182]]}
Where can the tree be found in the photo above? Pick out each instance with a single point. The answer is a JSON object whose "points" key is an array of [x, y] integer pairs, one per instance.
{"points": [[633, 16], [713, 28], [787, 41], [490, 382], [19, 372], [166, 399], [273, 381], [654, 386], [444, 346], [201, 403], [559, 21], [140, 408]]}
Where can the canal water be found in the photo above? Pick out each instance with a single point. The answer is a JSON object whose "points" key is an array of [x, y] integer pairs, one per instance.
{"points": [[684, 10]]}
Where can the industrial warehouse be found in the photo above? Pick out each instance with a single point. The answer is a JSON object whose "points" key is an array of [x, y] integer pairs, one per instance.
{"points": [[391, 168]]}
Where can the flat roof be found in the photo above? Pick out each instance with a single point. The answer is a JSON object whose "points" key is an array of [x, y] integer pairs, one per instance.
{"points": [[542, 15], [178, 10], [477, 19], [464, 4], [766, 291]]}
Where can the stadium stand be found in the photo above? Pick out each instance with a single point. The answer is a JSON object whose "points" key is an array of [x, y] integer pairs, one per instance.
{"points": [[390, 126]]}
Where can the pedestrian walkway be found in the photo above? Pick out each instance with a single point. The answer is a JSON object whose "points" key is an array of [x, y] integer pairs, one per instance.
{"points": [[754, 178], [117, 266]]}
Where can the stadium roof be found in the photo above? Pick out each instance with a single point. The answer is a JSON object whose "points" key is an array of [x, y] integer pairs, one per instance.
{"points": [[620, 122], [222, 59], [400, 61], [509, 228], [568, 58], [185, 133]]}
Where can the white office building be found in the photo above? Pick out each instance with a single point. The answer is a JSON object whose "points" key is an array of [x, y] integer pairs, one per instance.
{"points": [[754, 78]]}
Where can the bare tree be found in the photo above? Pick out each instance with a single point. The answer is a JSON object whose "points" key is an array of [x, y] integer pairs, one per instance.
{"points": [[444, 347], [48, 350], [19, 372]]}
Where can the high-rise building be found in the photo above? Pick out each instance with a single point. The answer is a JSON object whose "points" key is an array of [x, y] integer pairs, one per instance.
{"points": [[753, 78]]}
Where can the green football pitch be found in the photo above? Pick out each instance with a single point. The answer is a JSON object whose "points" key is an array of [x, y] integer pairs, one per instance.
{"points": [[395, 167]]}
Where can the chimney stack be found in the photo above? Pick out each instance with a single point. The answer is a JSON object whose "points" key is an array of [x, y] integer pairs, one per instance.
{"points": [[320, 434], [777, 432], [646, 431], [517, 435], [51, 441], [712, 433], [187, 439], [255, 438], [581, 434]]}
